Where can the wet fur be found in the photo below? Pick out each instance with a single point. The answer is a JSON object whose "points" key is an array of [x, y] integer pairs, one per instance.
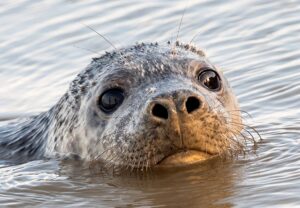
{"points": [[75, 126]]}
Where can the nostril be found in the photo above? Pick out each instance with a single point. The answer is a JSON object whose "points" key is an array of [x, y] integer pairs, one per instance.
{"points": [[160, 111], [192, 104]]}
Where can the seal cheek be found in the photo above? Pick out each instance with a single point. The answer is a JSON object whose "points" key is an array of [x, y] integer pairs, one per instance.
{"points": [[93, 119]]}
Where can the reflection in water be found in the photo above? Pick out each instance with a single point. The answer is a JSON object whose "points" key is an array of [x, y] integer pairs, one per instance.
{"points": [[207, 185], [254, 42]]}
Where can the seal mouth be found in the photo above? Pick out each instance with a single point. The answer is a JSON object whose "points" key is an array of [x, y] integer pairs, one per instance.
{"points": [[185, 157]]}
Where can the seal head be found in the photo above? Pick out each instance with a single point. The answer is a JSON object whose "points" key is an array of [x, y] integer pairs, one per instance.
{"points": [[148, 105], [141, 106]]}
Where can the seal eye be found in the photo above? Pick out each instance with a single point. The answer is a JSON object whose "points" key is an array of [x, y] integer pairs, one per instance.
{"points": [[210, 79], [110, 100]]}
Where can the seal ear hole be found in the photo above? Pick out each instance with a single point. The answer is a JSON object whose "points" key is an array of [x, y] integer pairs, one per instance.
{"points": [[192, 104], [160, 111]]}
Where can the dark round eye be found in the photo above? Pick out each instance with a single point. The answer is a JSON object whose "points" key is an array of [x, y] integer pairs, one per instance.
{"points": [[210, 79], [110, 100]]}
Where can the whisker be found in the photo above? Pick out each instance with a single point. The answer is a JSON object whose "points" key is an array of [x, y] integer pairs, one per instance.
{"points": [[180, 23], [102, 36], [194, 37], [101, 154], [244, 125], [241, 124], [111, 44], [244, 137], [243, 111], [249, 127], [86, 49], [179, 26]]}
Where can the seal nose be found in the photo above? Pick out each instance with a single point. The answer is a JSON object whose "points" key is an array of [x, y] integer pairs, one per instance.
{"points": [[163, 107], [192, 104], [160, 111]]}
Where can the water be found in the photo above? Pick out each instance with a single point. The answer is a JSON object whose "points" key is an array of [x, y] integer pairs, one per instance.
{"points": [[256, 43]]}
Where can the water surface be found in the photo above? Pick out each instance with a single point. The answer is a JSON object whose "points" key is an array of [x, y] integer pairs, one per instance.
{"points": [[256, 43]]}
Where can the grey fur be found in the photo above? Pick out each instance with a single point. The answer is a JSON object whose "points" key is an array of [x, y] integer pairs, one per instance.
{"points": [[76, 125]]}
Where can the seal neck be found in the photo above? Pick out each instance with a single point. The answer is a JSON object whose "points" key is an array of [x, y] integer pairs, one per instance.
{"points": [[24, 140]]}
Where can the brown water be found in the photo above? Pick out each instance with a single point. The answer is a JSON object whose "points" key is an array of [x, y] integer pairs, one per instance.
{"points": [[255, 42]]}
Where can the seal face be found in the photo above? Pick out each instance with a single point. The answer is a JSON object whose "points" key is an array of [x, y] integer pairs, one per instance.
{"points": [[141, 106]]}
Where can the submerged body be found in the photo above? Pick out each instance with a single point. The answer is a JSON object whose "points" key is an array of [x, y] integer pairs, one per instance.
{"points": [[141, 106]]}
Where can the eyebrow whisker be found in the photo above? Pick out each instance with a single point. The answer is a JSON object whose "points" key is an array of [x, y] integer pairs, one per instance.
{"points": [[106, 39]]}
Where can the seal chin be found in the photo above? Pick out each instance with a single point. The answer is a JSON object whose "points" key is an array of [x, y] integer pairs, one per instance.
{"points": [[185, 157]]}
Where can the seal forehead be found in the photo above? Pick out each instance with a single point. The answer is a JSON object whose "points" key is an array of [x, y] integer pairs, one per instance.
{"points": [[148, 60], [156, 55]]}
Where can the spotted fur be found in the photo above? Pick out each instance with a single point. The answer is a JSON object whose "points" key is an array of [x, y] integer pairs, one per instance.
{"points": [[75, 126]]}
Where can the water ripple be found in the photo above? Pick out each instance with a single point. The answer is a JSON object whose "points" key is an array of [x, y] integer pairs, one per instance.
{"points": [[254, 42]]}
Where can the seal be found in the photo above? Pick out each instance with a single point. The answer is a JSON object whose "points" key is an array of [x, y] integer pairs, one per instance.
{"points": [[140, 106]]}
